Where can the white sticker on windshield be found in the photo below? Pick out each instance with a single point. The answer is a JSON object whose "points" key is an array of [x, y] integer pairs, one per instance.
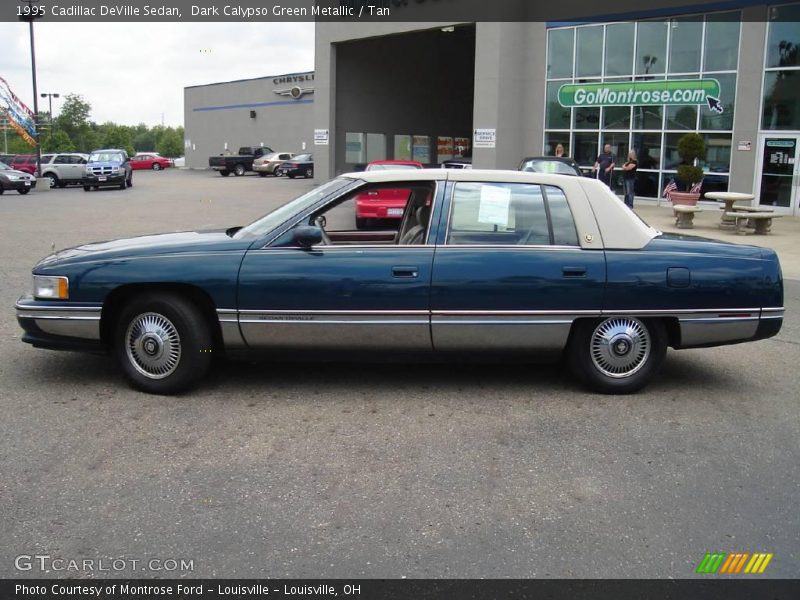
{"points": [[495, 202]]}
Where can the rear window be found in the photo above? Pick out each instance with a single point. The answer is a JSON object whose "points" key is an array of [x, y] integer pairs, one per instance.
{"points": [[391, 167]]}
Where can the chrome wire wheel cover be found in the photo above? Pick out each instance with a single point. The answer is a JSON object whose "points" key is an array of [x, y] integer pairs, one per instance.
{"points": [[153, 345], [620, 346]]}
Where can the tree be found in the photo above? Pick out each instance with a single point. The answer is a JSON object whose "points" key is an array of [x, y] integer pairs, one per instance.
{"points": [[170, 142], [74, 117], [691, 146], [57, 141], [118, 136]]}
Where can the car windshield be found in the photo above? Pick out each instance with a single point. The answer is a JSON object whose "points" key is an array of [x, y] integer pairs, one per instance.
{"points": [[4, 167], [281, 214], [548, 166], [391, 167], [95, 157]]}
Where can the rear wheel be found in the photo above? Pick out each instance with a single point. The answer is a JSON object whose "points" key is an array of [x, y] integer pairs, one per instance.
{"points": [[156, 167], [163, 343], [309, 173], [238, 170], [617, 355], [86, 188], [224, 172]]}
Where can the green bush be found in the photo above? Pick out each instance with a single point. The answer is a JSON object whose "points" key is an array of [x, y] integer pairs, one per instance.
{"points": [[691, 147]]}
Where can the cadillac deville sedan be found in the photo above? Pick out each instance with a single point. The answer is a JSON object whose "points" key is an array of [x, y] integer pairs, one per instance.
{"points": [[484, 265]]}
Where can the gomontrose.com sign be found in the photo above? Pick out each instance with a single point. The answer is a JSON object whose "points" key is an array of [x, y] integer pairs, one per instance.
{"points": [[639, 93]]}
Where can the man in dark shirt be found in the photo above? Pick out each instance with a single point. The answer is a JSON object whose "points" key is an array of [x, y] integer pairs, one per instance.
{"points": [[604, 165]]}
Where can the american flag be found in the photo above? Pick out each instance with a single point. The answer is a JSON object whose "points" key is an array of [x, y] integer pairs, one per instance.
{"points": [[696, 188], [671, 187]]}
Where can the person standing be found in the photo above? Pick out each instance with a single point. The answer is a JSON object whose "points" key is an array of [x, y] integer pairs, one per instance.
{"points": [[629, 177], [604, 165]]}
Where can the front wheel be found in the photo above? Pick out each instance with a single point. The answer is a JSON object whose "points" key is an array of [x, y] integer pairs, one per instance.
{"points": [[52, 180], [224, 172], [617, 355], [24, 191], [156, 167], [163, 343]]}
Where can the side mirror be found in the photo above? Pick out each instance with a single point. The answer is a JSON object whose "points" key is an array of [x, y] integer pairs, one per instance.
{"points": [[307, 236]]}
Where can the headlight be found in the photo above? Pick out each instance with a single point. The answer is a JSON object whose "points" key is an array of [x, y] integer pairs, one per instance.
{"points": [[88, 170], [14, 177], [50, 288]]}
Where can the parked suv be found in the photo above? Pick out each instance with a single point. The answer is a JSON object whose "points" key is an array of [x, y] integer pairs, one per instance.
{"points": [[108, 167], [63, 169]]}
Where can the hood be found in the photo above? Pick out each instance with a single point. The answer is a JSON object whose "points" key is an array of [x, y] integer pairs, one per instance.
{"points": [[16, 173], [147, 245], [105, 163]]}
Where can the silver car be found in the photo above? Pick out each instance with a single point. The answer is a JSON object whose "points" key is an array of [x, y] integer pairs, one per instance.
{"points": [[63, 169], [267, 164], [11, 179]]}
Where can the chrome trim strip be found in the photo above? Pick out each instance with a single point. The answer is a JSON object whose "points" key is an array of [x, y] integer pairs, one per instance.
{"points": [[771, 317], [68, 321], [716, 319], [334, 312], [773, 309], [301, 321], [502, 322], [19, 306], [681, 311], [295, 250], [508, 247], [515, 312]]}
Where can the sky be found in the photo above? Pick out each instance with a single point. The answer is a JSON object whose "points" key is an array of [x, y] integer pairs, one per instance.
{"points": [[133, 73]]}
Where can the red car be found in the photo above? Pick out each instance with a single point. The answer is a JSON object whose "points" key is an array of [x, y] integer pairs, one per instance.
{"points": [[383, 204], [150, 161], [25, 163]]}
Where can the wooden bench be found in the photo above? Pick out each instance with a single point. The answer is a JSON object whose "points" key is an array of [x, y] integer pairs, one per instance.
{"points": [[761, 221], [684, 215]]}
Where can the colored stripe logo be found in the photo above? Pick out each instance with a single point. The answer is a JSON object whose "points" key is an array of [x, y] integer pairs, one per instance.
{"points": [[734, 563]]}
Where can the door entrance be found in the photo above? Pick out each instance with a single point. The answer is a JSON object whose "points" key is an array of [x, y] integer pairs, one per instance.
{"points": [[778, 183]]}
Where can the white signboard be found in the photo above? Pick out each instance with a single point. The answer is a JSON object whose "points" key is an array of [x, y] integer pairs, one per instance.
{"points": [[744, 146], [495, 202], [321, 137], [484, 138]]}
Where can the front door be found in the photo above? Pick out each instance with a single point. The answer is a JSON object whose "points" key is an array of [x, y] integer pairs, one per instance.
{"points": [[779, 173]]}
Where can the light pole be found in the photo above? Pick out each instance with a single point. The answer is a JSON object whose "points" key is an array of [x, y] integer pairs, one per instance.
{"points": [[50, 97], [33, 14]]}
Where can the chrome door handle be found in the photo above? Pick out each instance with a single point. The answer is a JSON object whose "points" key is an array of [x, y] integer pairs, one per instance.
{"points": [[405, 272]]}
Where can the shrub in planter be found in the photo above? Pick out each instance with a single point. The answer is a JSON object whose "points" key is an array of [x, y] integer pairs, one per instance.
{"points": [[691, 147]]}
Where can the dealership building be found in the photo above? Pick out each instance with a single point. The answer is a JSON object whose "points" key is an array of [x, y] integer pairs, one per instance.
{"points": [[495, 92]]}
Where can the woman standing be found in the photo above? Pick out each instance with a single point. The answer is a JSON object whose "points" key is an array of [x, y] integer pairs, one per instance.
{"points": [[629, 175]]}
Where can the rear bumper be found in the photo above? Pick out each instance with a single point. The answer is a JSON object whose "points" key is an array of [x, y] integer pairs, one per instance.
{"points": [[374, 210], [731, 327], [59, 326]]}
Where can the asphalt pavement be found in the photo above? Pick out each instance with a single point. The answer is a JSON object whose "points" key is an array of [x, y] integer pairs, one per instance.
{"points": [[361, 470]]}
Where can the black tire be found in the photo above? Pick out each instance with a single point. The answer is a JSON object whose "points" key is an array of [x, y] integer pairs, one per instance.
{"points": [[309, 173], [24, 191], [291, 175], [86, 188], [239, 170], [156, 167], [123, 185], [162, 343], [1, 189], [95, 187], [625, 369], [224, 172], [361, 223], [262, 174], [54, 181]]}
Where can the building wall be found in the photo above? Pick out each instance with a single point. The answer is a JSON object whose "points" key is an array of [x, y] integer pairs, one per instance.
{"points": [[219, 113]]}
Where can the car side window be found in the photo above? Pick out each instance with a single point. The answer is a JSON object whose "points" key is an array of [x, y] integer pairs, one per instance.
{"points": [[510, 214], [61, 159]]}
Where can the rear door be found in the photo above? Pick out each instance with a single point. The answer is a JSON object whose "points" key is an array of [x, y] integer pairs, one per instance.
{"points": [[509, 273]]}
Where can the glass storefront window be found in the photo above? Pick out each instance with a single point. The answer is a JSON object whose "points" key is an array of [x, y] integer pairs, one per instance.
{"points": [[589, 52], [671, 158], [781, 94], [558, 117], [552, 139], [727, 91], [586, 118], [651, 47], [682, 117], [718, 153], [559, 53], [648, 149], [647, 117], [619, 54], [722, 42], [647, 184], [585, 149], [783, 45], [685, 43], [617, 117]]}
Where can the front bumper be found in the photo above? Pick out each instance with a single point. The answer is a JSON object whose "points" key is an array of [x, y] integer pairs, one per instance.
{"points": [[112, 179], [20, 184], [59, 325]]}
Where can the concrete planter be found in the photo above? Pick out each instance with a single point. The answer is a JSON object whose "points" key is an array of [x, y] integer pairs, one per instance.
{"points": [[684, 198]]}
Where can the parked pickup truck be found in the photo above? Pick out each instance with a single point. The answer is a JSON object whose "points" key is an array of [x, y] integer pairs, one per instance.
{"points": [[239, 164]]}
